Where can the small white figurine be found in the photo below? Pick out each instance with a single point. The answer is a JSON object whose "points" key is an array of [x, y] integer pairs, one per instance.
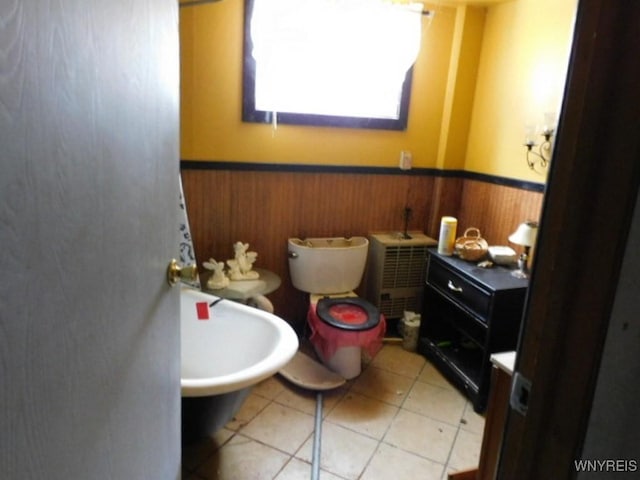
{"points": [[251, 259], [240, 268], [218, 279]]}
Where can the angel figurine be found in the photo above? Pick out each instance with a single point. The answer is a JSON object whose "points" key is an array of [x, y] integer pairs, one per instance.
{"points": [[240, 268], [218, 278]]}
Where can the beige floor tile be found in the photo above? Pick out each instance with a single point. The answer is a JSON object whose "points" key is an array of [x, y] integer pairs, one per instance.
{"points": [[253, 405], [423, 421], [331, 398], [421, 435], [430, 374], [363, 414], [297, 469], [436, 402], [343, 452], [383, 385], [305, 400], [472, 421], [243, 458], [396, 359], [270, 388], [195, 454], [466, 450], [280, 427], [393, 463], [298, 398]]}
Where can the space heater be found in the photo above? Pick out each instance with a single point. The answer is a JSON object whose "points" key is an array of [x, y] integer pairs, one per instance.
{"points": [[395, 271]]}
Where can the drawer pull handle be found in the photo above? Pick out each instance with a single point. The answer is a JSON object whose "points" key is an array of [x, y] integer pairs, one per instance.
{"points": [[453, 288]]}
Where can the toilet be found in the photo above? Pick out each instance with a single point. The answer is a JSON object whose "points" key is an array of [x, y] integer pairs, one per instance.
{"points": [[341, 323]]}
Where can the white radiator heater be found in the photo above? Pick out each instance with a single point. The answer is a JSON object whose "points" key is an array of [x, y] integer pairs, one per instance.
{"points": [[395, 272]]}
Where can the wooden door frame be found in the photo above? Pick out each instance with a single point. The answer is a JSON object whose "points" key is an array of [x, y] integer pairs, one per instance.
{"points": [[592, 189]]}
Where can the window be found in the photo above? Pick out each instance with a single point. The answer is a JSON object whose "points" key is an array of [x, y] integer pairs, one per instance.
{"points": [[329, 62]]}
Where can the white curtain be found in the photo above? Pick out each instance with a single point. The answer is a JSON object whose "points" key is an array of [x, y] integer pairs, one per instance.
{"points": [[333, 57]]}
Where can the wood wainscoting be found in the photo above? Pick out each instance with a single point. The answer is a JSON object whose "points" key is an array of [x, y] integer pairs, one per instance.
{"points": [[496, 210], [265, 208]]}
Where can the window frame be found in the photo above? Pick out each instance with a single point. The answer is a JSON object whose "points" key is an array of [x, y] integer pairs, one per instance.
{"points": [[251, 115]]}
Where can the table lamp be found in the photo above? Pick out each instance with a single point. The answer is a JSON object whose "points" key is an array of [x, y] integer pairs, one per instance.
{"points": [[525, 235]]}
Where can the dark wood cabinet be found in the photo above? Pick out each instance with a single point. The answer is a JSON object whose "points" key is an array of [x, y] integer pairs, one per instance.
{"points": [[469, 313]]}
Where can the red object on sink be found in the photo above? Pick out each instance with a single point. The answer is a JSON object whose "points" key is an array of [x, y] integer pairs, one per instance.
{"points": [[202, 309]]}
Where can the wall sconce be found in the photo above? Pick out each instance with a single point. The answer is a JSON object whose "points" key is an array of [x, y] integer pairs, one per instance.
{"points": [[542, 155], [525, 235], [539, 154]]}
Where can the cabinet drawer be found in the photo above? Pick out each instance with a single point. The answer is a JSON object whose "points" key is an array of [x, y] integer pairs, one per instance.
{"points": [[464, 293]]}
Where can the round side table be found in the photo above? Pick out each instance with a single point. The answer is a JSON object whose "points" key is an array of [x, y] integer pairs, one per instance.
{"points": [[249, 292]]}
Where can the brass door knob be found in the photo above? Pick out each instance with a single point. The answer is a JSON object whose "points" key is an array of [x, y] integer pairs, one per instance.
{"points": [[175, 272]]}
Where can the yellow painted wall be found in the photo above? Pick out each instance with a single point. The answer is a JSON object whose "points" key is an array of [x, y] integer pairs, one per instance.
{"points": [[471, 97], [522, 73], [461, 82], [211, 50]]}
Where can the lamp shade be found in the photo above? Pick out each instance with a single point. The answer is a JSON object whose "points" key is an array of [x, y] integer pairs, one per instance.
{"points": [[525, 234]]}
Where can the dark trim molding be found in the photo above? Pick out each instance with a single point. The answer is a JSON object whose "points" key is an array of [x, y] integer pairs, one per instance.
{"points": [[504, 181], [298, 168]]}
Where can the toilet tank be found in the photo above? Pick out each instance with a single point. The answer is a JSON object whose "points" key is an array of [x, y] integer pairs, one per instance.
{"points": [[327, 265]]}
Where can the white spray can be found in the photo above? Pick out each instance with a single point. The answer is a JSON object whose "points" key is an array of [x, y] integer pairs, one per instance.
{"points": [[447, 239]]}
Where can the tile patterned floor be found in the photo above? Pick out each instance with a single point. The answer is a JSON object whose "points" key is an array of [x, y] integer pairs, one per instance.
{"points": [[399, 419]]}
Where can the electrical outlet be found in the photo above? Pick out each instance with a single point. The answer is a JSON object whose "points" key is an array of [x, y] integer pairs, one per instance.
{"points": [[405, 160]]}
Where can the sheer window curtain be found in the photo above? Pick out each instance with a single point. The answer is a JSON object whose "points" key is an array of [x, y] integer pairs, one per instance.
{"points": [[333, 57]]}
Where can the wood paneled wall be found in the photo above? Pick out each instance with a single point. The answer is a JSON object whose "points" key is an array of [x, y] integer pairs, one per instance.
{"points": [[496, 210], [265, 208]]}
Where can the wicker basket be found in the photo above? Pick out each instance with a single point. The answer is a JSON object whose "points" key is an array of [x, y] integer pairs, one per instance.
{"points": [[471, 246]]}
